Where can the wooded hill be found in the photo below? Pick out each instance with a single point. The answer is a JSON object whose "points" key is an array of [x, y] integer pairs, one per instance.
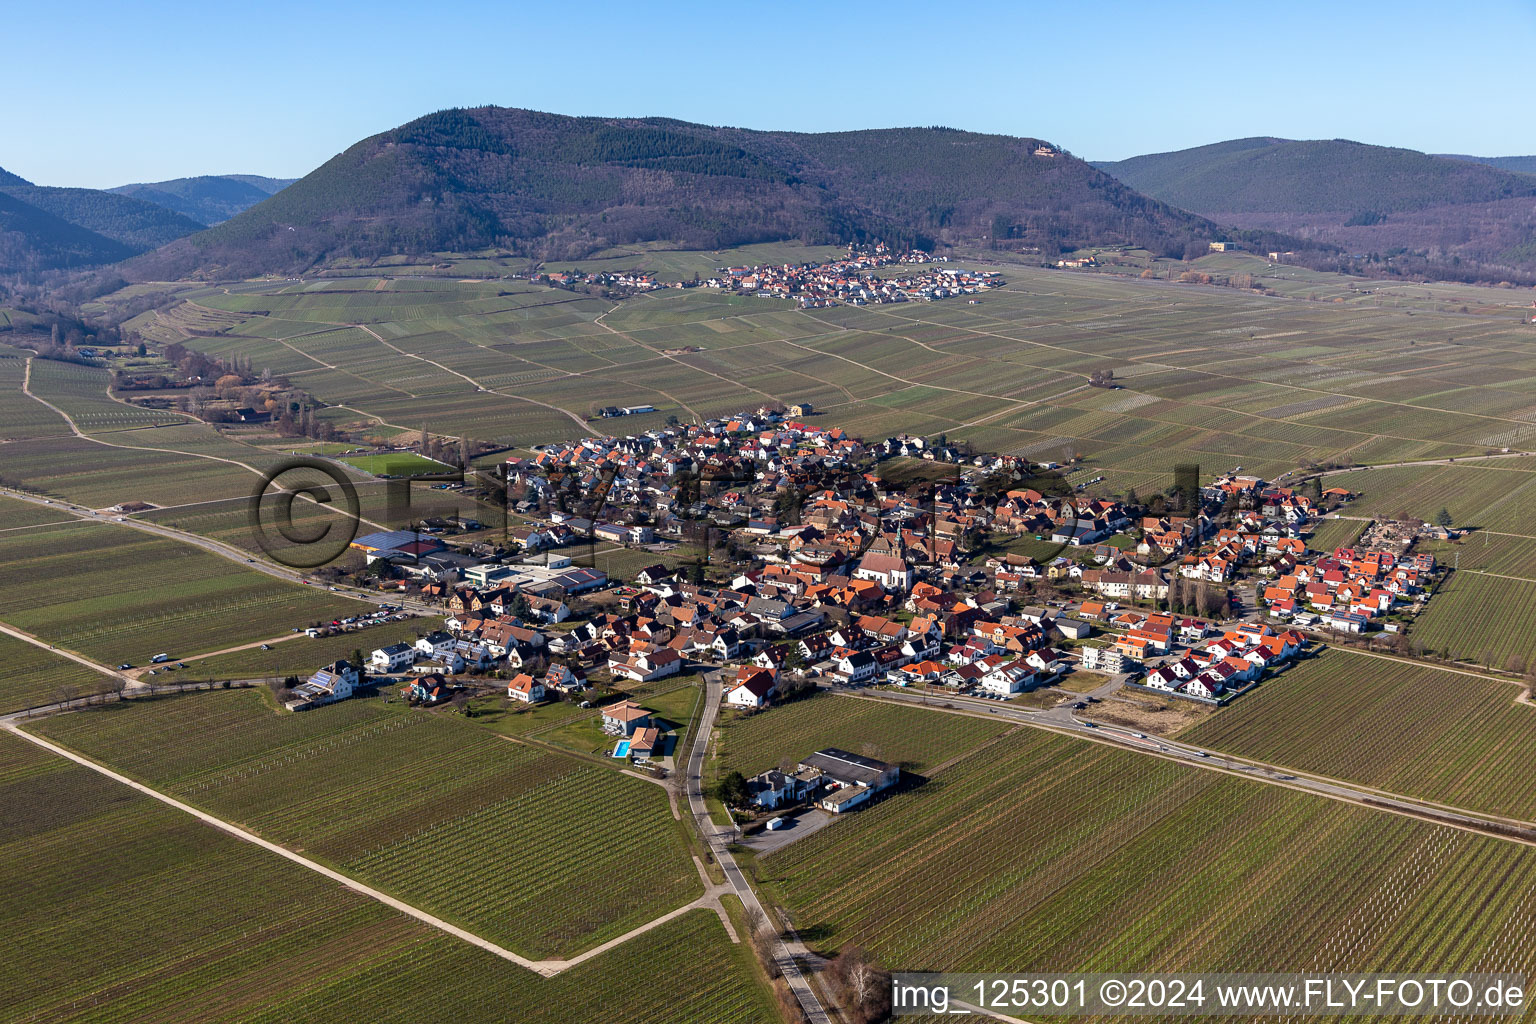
{"points": [[552, 186], [43, 228], [34, 240], [208, 198], [1367, 199]]}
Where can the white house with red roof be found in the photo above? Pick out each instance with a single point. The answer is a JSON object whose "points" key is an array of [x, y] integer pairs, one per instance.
{"points": [[752, 687], [525, 688]]}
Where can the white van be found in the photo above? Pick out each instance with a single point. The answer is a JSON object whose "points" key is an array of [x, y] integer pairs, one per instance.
{"points": [[157, 659]]}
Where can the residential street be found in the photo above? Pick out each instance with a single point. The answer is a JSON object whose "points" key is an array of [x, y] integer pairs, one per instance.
{"points": [[719, 840]]}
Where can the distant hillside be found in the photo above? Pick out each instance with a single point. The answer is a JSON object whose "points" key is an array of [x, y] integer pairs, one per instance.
{"points": [[1278, 176], [133, 222], [552, 186], [209, 198], [44, 228], [1520, 164], [1366, 199], [32, 239]]}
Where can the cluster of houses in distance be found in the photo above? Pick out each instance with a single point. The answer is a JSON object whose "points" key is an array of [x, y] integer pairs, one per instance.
{"points": [[850, 280]]}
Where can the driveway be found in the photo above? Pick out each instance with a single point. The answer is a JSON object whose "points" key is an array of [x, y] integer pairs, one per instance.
{"points": [[801, 825]]}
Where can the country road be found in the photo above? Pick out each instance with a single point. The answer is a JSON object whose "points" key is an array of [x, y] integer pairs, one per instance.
{"points": [[1061, 719], [718, 840], [1426, 462]]}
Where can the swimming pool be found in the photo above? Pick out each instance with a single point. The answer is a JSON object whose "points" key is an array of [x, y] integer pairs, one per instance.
{"points": [[622, 750]]}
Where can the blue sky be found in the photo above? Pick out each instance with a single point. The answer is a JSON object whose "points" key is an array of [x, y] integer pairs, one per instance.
{"points": [[98, 94]]}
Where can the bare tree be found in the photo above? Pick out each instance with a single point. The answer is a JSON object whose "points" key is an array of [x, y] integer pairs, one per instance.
{"points": [[763, 940], [863, 986]]}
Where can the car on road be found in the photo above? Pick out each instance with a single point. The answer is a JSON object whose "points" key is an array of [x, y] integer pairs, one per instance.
{"points": [[1139, 735], [1079, 705], [1201, 753], [125, 666]]}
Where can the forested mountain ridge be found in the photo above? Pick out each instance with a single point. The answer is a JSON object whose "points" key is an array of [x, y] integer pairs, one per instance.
{"points": [[207, 199], [34, 240], [552, 186], [1381, 203], [1520, 164], [1266, 175], [137, 224], [43, 228]]}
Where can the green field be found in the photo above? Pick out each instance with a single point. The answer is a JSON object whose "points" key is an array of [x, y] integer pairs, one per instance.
{"points": [[1046, 853], [32, 676], [915, 739], [542, 853], [1491, 495], [1412, 729], [116, 594], [19, 515], [1481, 618], [1334, 533], [396, 464], [1482, 552], [182, 923]]}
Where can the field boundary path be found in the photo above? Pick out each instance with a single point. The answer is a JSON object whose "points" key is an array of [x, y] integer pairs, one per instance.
{"points": [[710, 900], [583, 424], [240, 833], [784, 952]]}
